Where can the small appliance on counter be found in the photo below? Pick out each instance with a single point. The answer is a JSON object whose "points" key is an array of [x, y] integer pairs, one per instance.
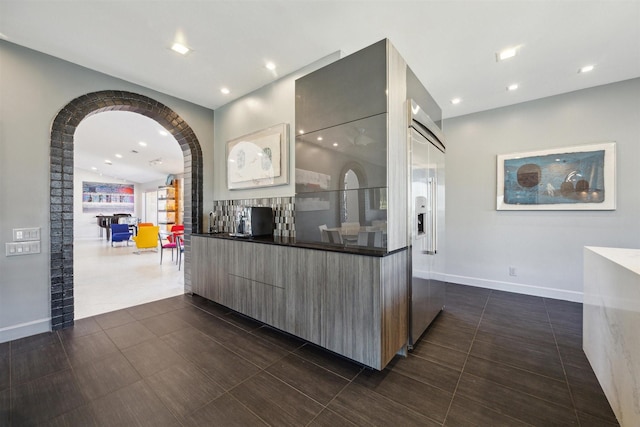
{"points": [[212, 229], [254, 221]]}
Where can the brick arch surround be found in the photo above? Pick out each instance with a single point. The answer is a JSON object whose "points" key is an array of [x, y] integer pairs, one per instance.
{"points": [[61, 183]]}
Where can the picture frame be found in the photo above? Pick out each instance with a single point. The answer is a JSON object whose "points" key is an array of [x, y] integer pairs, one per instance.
{"points": [[259, 159], [569, 178], [107, 197]]}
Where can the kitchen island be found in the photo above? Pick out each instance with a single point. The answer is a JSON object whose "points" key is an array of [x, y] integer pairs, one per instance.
{"points": [[352, 301], [611, 322]]}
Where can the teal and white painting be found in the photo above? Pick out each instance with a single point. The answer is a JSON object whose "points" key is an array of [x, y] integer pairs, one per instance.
{"points": [[559, 179]]}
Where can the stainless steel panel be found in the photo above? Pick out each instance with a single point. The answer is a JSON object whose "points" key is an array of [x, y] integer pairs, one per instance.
{"points": [[422, 123], [437, 293], [427, 226], [421, 315], [418, 93]]}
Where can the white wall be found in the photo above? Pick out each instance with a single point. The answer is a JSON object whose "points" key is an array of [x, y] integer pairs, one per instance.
{"points": [[33, 89], [545, 247], [150, 187], [85, 224], [270, 105]]}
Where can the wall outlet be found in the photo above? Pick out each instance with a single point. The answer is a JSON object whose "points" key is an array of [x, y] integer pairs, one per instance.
{"points": [[512, 271]]}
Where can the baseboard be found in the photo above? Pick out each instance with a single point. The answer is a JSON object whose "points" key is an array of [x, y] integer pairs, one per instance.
{"points": [[539, 291], [27, 329]]}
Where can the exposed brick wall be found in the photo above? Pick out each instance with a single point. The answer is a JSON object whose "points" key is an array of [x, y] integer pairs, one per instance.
{"points": [[61, 183]]}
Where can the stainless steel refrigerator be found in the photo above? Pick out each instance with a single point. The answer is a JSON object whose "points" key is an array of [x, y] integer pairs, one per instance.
{"points": [[426, 209]]}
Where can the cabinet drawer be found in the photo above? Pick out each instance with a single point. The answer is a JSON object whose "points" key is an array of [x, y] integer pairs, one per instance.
{"points": [[261, 301]]}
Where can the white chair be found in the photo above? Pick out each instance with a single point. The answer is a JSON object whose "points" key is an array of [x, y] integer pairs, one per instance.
{"points": [[322, 228], [332, 236], [370, 238], [351, 228], [350, 232], [379, 225]]}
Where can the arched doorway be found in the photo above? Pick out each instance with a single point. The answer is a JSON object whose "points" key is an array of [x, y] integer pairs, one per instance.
{"points": [[61, 185], [353, 179]]}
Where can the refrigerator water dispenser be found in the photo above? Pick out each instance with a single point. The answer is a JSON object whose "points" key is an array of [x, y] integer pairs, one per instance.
{"points": [[421, 213]]}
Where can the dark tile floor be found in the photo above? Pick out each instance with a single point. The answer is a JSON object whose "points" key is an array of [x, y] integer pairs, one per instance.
{"points": [[491, 358]]}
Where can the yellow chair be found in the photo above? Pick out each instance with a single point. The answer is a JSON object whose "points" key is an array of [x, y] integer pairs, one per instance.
{"points": [[147, 238]]}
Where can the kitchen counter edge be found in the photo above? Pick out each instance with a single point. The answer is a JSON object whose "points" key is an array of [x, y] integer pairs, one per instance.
{"points": [[291, 242]]}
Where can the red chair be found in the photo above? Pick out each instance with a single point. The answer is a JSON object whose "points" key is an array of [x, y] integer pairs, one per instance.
{"points": [[177, 231], [180, 249], [169, 244]]}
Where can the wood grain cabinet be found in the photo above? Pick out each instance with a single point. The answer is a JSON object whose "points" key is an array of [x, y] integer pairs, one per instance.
{"points": [[354, 305], [208, 274], [350, 310], [303, 275], [364, 307]]}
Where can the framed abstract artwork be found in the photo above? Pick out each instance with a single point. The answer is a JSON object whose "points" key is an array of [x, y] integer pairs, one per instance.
{"points": [[107, 197], [572, 178], [259, 159]]}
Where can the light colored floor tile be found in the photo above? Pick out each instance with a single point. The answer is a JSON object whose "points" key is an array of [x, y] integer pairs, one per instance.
{"points": [[111, 278]]}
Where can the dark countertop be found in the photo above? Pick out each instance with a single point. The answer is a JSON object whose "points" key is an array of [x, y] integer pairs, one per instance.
{"points": [[289, 241]]}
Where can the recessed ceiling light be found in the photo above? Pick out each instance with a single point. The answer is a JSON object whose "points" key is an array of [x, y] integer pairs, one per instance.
{"points": [[142, 144], [107, 162], [586, 69], [512, 87], [225, 91], [456, 101], [301, 132], [270, 66], [163, 132], [118, 155], [335, 144], [180, 48], [93, 168], [506, 54], [319, 138]]}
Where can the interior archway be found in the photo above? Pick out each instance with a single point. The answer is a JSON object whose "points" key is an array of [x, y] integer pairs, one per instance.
{"points": [[61, 185], [356, 169]]}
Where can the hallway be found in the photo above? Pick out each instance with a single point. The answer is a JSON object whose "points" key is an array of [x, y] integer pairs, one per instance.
{"points": [[110, 278]]}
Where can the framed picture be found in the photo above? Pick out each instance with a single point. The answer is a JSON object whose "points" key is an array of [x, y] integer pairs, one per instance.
{"points": [[259, 159], [107, 197], [573, 178]]}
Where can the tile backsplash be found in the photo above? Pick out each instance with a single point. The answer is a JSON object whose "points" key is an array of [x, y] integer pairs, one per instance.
{"points": [[225, 212]]}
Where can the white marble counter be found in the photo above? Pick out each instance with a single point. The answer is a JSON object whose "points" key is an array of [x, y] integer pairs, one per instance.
{"points": [[611, 323]]}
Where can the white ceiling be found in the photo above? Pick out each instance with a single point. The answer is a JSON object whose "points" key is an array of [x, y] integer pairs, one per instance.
{"points": [[101, 136], [450, 45]]}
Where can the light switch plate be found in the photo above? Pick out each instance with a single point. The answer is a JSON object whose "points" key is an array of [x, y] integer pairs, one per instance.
{"points": [[22, 248], [26, 234]]}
